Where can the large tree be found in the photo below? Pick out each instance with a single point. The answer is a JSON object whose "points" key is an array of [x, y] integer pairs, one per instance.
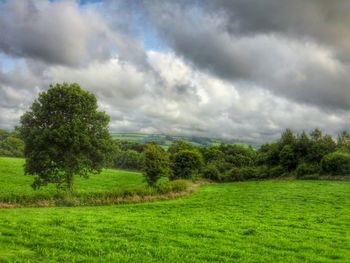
{"points": [[64, 135]]}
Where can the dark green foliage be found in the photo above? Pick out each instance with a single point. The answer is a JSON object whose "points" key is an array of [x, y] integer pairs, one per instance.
{"points": [[307, 170], [222, 166], [336, 163], [276, 171], [288, 158], [320, 146], [212, 154], [156, 163], [269, 154], [302, 146], [211, 172], [180, 146], [238, 155], [264, 172], [247, 173], [64, 135], [187, 164], [232, 175]]}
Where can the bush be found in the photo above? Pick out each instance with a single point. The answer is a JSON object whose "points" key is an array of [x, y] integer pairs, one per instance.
{"points": [[232, 175], [276, 171], [247, 173], [306, 170], [164, 186], [162, 180], [336, 163], [179, 185], [263, 171], [211, 172], [187, 164]]}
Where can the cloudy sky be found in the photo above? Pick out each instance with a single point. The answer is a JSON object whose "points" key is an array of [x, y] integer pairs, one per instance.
{"points": [[242, 69]]}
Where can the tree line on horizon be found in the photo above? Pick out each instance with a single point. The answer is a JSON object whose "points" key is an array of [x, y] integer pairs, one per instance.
{"points": [[301, 155]]}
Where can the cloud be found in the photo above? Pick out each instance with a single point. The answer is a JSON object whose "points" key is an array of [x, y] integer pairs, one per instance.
{"points": [[270, 57], [233, 69], [174, 97], [61, 32]]}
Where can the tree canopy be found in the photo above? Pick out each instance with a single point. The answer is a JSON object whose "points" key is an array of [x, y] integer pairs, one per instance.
{"points": [[64, 135]]}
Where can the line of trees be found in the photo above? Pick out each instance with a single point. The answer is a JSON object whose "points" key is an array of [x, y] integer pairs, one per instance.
{"points": [[300, 155]]}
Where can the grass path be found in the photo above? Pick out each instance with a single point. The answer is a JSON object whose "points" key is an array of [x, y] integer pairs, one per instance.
{"points": [[270, 221]]}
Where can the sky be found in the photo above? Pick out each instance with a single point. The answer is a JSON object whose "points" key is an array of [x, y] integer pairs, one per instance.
{"points": [[243, 69]]}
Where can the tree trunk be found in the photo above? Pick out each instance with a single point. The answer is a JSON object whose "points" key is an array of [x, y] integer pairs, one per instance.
{"points": [[70, 182]]}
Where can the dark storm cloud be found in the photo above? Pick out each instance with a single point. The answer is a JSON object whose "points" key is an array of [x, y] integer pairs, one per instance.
{"points": [[324, 20], [297, 49]]}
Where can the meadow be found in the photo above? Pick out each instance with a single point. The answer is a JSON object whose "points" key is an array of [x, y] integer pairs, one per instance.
{"points": [[256, 221], [15, 185]]}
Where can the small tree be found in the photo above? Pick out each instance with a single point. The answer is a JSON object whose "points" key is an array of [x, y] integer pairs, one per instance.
{"points": [[187, 164], [156, 163], [64, 135]]}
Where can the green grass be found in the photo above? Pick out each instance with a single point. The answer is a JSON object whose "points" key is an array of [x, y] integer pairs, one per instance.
{"points": [[266, 221], [13, 180]]}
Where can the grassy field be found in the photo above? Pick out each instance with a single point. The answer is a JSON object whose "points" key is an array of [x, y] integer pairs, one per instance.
{"points": [[269, 221], [13, 181]]}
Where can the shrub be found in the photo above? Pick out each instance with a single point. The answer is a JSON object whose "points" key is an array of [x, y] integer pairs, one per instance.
{"points": [[263, 171], [179, 185], [305, 170], [276, 171], [232, 175], [336, 163], [163, 185], [162, 180], [247, 173], [211, 172], [187, 164]]}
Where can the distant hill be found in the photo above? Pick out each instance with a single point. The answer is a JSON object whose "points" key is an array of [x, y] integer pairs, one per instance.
{"points": [[167, 140]]}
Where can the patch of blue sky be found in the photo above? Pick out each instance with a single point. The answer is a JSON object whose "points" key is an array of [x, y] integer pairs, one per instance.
{"points": [[8, 63]]}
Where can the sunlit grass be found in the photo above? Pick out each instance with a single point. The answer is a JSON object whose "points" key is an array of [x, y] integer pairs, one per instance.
{"points": [[270, 221]]}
